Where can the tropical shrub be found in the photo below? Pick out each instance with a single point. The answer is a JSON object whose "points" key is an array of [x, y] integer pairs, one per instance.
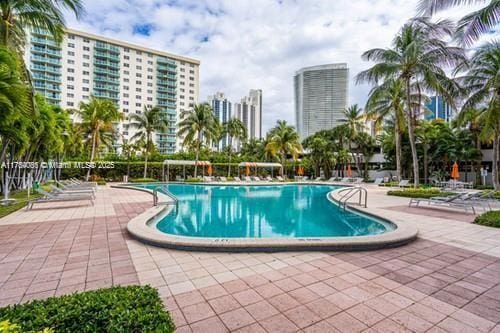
{"points": [[419, 193], [117, 309], [490, 219]]}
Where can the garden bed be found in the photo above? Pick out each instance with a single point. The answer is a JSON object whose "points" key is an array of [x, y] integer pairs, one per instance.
{"points": [[419, 193], [117, 309]]}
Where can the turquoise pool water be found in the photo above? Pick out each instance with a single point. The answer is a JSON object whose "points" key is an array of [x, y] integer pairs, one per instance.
{"points": [[263, 212]]}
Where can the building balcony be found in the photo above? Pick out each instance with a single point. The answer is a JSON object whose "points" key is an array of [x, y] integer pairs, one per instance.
{"points": [[44, 41], [54, 61], [164, 103], [43, 86], [113, 88], [168, 76], [160, 89], [166, 96], [105, 71], [107, 63], [105, 94], [108, 47], [166, 61], [45, 50], [107, 79], [49, 69], [166, 83], [46, 77], [107, 55]]}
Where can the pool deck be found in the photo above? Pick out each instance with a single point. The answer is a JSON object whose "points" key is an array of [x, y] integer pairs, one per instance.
{"points": [[446, 281]]}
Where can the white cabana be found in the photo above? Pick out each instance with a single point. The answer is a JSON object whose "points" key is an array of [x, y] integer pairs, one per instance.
{"points": [[260, 165], [182, 163]]}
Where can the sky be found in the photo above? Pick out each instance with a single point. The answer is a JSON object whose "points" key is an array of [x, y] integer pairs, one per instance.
{"points": [[256, 44]]}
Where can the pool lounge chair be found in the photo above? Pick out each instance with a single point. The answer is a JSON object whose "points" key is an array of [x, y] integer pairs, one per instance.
{"points": [[71, 183], [358, 180], [223, 179], [247, 179], [82, 183], [237, 179], [404, 183], [49, 197], [256, 179], [378, 181], [451, 201], [332, 179], [56, 190], [269, 179], [318, 179], [279, 178], [345, 180], [65, 187]]}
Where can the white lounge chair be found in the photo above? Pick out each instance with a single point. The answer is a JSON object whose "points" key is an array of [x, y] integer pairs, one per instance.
{"points": [[378, 181], [223, 179], [49, 197], [247, 179], [237, 179], [269, 179], [456, 200], [56, 190], [404, 183], [279, 178]]}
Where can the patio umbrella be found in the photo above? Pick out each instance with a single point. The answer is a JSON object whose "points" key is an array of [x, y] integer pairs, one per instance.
{"points": [[454, 171], [300, 171], [210, 170], [349, 171]]}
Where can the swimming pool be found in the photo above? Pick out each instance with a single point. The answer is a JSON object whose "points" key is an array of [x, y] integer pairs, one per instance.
{"points": [[262, 211]]}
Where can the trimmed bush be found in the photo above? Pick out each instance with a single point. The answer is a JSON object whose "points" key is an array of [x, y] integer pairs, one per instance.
{"points": [[143, 180], [490, 219], [117, 309], [419, 193]]}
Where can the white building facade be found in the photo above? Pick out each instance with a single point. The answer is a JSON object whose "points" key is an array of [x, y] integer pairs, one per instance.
{"points": [[249, 111], [320, 97], [132, 76]]}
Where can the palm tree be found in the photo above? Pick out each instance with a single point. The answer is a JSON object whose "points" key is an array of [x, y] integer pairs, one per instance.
{"points": [[482, 84], [354, 122], [18, 15], [473, 25], [386, 101], [283, 140], [198, 126], [418, 57], [234, 129], [97, 118], [151, 120], [13, 97]]}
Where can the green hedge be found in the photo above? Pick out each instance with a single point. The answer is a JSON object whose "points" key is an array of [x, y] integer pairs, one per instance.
{"points": [[117, 309], [490, 219], [143, 180], [419, 193]]}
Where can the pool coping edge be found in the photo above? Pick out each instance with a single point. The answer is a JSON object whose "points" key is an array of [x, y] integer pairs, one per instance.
{"points": [[140, 228]]}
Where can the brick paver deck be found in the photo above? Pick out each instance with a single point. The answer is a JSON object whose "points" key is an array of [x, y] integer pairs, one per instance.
{"points": [[441, 283]]}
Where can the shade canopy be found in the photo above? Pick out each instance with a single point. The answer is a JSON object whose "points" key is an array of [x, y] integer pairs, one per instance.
{"points": [[260, 165], [454, 171], [185, 162]]}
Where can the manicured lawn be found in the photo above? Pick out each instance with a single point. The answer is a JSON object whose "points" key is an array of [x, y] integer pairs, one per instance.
{"points": [[117, 309], [21, 201]]}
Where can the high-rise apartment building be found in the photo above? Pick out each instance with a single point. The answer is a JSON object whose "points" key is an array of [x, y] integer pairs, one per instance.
{"points": [[130, 75], [320, 97], [437, 108], [249, 111], [222, 109]]}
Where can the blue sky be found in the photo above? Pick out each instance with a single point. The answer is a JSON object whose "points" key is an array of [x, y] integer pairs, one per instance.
{"points": [[255, 44]]}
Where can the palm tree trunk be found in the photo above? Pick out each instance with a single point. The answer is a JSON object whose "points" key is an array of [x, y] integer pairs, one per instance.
{"points": [[230, 155], [426, 164], [478, 161], [398, 148], [198, 144], [92, 152], [411, 134], [146, 158], [494, 171]]}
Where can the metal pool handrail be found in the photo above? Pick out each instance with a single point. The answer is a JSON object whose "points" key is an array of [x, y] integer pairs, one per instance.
{"points": [[350, 192], [167, 192]]}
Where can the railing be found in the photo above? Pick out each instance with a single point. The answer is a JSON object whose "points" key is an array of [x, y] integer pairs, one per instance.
{"points": [[352, 191], [167, 192]]}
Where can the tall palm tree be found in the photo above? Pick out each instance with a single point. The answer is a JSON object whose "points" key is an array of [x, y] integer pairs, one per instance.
{"points": [[97, 118], [151, 120], [284, 140], [482, 83], [354, 121], [13, 97], [198, 126], [418, 57], [386, 102], [234, 129], [18, 15], [471, 26]]}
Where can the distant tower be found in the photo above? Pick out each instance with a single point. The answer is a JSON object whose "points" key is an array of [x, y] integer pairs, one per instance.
{"points": [[249, 111], [222, 108], [320, 97]]}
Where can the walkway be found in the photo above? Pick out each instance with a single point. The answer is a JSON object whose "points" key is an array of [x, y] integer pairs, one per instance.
{"points": [[447, 281]]}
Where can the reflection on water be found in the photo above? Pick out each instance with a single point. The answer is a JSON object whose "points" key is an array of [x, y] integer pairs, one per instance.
{"points": [[261, 211]]}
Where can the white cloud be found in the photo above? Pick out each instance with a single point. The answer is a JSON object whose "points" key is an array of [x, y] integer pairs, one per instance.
{"points": [[256, 44]]}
